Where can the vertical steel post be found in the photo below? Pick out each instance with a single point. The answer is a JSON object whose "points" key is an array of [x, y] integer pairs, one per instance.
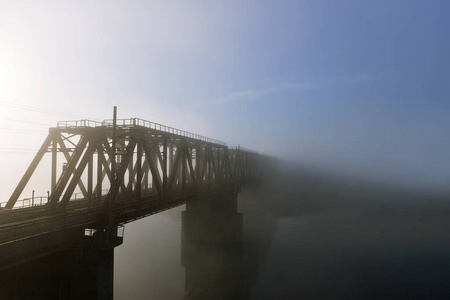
{"points": [[171, 160], [164, 166], [113, 146], [54, 161], [183, 150], [113, 168], [218, 166], [154, 158], [146, 178], [198, 155], [130, 177], [98, 197], [180, 165], [138, 186], [90, 174]]}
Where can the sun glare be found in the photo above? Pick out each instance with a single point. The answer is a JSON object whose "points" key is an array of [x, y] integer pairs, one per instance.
{"points": [[9, 71]]}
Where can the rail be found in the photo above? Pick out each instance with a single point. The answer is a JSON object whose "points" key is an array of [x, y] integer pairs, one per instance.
{"points": [[40, 226]]}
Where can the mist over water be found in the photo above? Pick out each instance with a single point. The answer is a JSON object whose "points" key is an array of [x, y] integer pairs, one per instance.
{"points": [[148, 265], [306, 234], [341, 239]]}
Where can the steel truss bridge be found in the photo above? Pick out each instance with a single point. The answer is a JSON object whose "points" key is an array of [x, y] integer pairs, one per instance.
{"points": [[105, 174]]}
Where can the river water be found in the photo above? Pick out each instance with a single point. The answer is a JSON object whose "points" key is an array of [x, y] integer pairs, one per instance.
{"points": [[304, 237]]}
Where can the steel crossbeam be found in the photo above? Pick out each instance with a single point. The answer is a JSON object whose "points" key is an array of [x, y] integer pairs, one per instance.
{"points": [[134, 160]]}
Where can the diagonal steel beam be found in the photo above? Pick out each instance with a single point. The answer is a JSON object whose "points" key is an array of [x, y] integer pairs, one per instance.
{"points": [[123, 168], [76, 176], [65, 151], [23, 182], [65, 176], [226, 161], [153, 168], [174, 171], [106, 162], [206, 155], [191, 168], [214, 170]]}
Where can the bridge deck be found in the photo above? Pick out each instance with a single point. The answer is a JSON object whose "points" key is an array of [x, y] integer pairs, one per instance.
{"points": [[28, 222], [146, 168], [29, 233]]}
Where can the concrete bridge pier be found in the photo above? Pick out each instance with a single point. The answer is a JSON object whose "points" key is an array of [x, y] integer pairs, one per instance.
{"points": [[82, 272], [211, 248]]}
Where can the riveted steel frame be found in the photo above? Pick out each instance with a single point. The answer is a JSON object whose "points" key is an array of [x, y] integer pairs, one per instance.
{"points": [[149, 162]]}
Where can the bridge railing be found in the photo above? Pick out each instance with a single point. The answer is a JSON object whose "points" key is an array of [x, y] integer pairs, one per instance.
{"points": [[79, 124], [132, 122], [136, 122], [243, 149], [30, 202], [42, 200]]}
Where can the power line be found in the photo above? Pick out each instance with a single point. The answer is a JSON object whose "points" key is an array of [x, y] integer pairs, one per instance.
{"points": [[20, 152], [29, 122], [35, 109], [22, 130], [40, 110], [19, 149]]}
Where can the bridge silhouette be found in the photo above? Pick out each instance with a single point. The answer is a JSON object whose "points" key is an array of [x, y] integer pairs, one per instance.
{"points": [[106, 174]]}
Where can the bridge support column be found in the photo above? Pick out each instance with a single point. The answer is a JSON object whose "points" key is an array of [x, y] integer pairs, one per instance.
{"points": [[82, 272], [211, 248]]}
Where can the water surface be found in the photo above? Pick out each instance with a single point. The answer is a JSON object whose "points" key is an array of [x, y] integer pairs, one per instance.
{"points": [[303, 237]]}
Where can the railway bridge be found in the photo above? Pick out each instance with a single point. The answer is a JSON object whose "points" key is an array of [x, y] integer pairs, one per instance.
{"points": [[106, 174]]}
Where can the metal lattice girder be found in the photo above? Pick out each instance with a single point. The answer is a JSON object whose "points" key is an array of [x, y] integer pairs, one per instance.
{"points": [[171, 161]]}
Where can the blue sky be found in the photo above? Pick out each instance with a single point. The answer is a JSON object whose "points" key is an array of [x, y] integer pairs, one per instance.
{"points": [[359, 86]]}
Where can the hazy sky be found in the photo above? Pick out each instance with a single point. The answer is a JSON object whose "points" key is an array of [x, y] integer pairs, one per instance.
{"points": [[357, 85]]}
